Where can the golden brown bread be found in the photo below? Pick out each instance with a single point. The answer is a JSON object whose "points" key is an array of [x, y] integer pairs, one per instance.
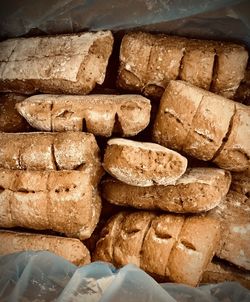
{"points": [[143, 164], [10, 119], [50, 151], [211, 65], [69, 248], [234, 216], [199, 189], [204, 125], [166, 245], [72, 63], [100, 112], [62, 201]]}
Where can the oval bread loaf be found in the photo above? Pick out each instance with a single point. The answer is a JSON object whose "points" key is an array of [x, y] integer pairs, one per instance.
{"points": [[204, 125], [143, 164], [199, 189], [69, 248], [72, 63], [62, 201], [101, 114], [169, 246]]}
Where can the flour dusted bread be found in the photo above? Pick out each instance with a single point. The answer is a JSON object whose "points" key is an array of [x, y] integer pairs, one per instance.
{"points": [[71, 249], [199, 189], [62, 201], [143, 164], [218, 271], [203, 125], [50, 151], [210, 65], [168, 246], [10, 119], [102, 114], [234, 216], [56, 64]]}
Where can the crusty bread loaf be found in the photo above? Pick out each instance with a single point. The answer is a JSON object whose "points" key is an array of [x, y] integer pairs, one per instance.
{"points": [[207, 64], [56, 64], [217, 272], [50, 151], [204, 125], [126, 115], [143, 164], [70, 248], [235, 226], [10, 119], [62, 201], [167, 245], [199, 189]]}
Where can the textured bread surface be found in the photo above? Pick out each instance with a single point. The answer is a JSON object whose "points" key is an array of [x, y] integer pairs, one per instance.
{"points": [[166, 245], [204, 125], [62, 201], [143, 164], [234, 215], [199, 189], [241, 182], [10, 119], [215, 66], [125, 115], [57, 64], [69, 248], [50, 151]]}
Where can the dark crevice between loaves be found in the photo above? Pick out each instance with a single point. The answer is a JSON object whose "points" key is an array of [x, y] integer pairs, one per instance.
{"points": [[181, 65], [54, 157], [1, 189], [84, 125], [214, 71], [225, 139], [117, 128]]}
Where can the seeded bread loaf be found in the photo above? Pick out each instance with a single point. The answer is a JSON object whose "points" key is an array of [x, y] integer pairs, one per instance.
{"points": [[50, 151], [62, 201], [199, 189], [101, 114], [215, 66], [10, 119], [68, 248], [204, 125], [143, 164], [167, 245], [234, 216], [72, 63]]}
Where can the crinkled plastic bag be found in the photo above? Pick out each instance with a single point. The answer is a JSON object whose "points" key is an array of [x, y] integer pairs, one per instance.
{"points": [[222, 19], [43, 276]]}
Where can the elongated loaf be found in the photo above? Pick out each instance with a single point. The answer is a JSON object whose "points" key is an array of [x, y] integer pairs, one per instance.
{"points": [[50, 151], [70, 248], [101, 114], [215, 66], [217, 272], [199, 189], [10, 119], [167, 245], [56, 64], [204, 125], [62, 201], [143, 164], [234, 216]]}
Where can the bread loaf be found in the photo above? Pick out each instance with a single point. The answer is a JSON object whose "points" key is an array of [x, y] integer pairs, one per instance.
{"points": [[210, 65], [10, 119], [241, 182], [199, 189], [68, 248], [62, 201], [167, 245], [143, 164], [204, 125], [235, 226], [126, 115], [57, 64], [50, 151], [217, 272]]}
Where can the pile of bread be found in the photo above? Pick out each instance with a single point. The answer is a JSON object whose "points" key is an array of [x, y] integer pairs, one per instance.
{"points": [[175, 197]]}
